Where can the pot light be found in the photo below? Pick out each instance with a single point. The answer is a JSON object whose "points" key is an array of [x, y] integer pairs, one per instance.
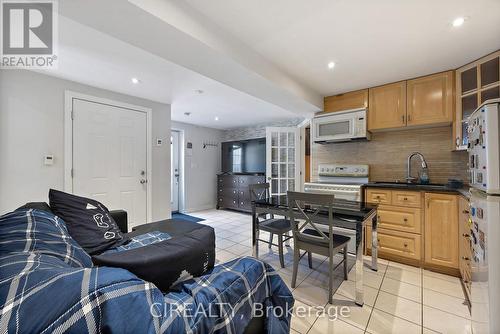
{"points": [[216, 118], [458, 21], [135, 81], [331, 65]]}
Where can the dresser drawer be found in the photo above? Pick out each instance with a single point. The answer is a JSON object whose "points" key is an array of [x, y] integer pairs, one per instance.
{"points": [[400, 218], [411, 199], [380, 196], [396, 243]]}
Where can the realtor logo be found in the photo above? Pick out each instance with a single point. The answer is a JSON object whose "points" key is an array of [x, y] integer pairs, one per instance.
{"points": [[29, 36]]}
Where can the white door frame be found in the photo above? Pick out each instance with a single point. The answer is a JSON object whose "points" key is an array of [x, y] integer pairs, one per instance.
{"points": [[302, 126], [179, 168], [182, 169], [69, 96]]}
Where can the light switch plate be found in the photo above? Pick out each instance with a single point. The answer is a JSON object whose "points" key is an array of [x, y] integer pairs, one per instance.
{"points": [[159, 141], [48, 160]]}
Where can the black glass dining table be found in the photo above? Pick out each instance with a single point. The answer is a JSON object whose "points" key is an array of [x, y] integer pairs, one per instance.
{"points": [[346, 215]]}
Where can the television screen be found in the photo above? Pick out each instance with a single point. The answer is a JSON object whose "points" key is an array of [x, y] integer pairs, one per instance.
{"points": [[245, 156]]}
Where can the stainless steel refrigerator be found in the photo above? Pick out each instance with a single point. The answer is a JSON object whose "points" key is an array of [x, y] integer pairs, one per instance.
{"points": [[484, 166]]}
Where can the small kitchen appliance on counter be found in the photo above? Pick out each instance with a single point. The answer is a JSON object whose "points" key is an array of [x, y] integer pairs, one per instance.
{"points": [[484, 166], [346, 183]]}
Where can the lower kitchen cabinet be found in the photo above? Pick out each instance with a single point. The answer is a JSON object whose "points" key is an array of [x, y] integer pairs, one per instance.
{"points": [[422, 229], [441, 230], [394, 243]]}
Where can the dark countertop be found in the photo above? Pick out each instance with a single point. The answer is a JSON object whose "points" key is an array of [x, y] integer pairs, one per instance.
{"points": [[438, 188]]}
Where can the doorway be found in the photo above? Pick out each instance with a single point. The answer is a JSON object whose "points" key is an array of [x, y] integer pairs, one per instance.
{"points": [[175, 169], [282, 159]]}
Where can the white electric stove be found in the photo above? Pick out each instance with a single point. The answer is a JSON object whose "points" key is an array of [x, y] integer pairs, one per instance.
{"points": [[346, 183], [343, 181]]}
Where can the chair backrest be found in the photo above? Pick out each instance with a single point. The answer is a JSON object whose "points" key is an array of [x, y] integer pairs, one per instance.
{"points": [[303, 212], [259, 191]]}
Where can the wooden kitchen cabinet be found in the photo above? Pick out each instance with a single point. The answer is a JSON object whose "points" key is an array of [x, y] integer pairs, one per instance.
{"points": [[476, 82], [387, 106], [430, 99], [378, 196], [399, 218], [441, 230], [397, 244], [352, 100]]}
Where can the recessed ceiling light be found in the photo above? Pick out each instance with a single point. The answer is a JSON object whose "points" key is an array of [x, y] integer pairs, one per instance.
{"points": [[216, 118], [458, 21], [331, 65], [135, 81]]}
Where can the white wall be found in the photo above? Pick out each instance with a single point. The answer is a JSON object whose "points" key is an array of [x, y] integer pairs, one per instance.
{"points": [[201, 168], [32, 125]]}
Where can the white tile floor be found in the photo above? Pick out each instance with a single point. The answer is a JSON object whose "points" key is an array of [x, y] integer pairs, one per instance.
{"points": [[398, 298]]}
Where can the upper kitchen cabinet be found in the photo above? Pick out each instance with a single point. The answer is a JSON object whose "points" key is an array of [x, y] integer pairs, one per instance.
{"points": [[387, 107], [476, 82], [430, 99], [352, 100]]}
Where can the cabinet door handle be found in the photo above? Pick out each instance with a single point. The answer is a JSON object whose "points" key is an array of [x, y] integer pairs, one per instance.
{"points": [[465, 258], [403, 119], [406, 198], [465, 235], [409, 117], [405, 220], [466, 212]]}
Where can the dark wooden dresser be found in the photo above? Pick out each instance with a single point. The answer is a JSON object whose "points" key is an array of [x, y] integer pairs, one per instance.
{"points": [[233, 192]]}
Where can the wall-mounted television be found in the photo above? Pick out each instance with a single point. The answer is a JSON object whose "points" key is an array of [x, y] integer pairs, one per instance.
{"points": [[244, 156]]}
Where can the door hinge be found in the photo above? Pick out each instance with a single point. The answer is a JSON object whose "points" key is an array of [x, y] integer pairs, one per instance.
{"points": [[72, 172], [72, 115]]}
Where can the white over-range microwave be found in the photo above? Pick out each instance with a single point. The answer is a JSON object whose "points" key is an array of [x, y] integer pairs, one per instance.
{"points": [[340, 126]]}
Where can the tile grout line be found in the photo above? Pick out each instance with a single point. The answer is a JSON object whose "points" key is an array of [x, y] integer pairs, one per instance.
{"points": [[376, 297]]}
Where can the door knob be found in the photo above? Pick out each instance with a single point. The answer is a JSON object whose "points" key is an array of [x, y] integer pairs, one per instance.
{"points": [[143, 181]]}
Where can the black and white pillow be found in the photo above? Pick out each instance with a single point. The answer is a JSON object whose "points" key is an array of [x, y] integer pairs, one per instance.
{"points": [[88, 221]]}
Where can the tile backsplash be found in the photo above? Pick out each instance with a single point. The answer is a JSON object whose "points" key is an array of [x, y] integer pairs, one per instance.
{"points": [[387, 153]]}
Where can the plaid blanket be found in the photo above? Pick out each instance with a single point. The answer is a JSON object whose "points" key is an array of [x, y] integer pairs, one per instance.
{"points": [[48, 284]]}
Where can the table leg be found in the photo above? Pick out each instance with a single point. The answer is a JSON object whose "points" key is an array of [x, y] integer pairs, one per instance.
{"points": [[374, 243], [255, 232], [359, 271]]}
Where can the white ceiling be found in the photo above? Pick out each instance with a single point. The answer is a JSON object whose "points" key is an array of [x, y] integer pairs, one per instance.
{"points": [[263, 61], [93, 58], [371, 41]]}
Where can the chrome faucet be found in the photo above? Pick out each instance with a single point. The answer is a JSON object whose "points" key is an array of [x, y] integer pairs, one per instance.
{"points": [[409, 178]]}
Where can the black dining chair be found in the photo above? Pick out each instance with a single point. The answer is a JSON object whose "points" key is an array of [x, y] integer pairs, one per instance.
{"points": [[304, 209], [274, 226]]}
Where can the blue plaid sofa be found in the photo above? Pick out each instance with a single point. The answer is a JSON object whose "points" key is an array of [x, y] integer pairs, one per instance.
{"points": [[48, 284]]}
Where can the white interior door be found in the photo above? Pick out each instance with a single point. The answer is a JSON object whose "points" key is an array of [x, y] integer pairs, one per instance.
{"points": [[110, 157], [282, 159], [174, 160]]}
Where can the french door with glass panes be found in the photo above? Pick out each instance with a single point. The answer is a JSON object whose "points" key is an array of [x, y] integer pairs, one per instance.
{"points": [[282, 159]]}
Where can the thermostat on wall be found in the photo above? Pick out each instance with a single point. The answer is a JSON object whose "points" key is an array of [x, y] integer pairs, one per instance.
{"points": [[48, 160]]}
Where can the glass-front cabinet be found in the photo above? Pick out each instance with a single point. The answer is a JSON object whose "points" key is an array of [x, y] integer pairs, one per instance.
{"points": [[476, 82]]}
